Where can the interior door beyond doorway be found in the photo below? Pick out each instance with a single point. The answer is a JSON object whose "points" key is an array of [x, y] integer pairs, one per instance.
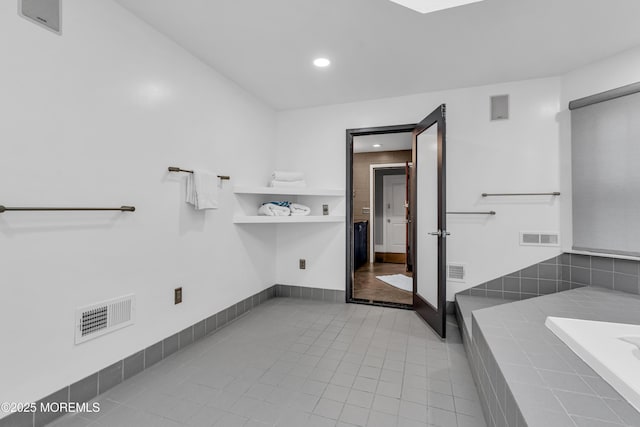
{"points": [[394, 198]]}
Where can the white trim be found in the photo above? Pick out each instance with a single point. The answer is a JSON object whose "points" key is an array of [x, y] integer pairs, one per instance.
{"points": [[604, 255], [372, 204]]}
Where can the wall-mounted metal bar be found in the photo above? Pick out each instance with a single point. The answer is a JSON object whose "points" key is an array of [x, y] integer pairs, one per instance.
{"points": [[472, 213], [555, 193], [23, 209], [175, 169]]}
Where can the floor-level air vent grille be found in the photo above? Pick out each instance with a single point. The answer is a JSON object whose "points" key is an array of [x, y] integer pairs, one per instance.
{"points": [[536, 238], [98, 319], [456, 272]]}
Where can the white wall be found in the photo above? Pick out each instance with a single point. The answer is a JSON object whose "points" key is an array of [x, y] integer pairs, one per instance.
{"points": [[94, 118], [518, 155], [601, 76]]}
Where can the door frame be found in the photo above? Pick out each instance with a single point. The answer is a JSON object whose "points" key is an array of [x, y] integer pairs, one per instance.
{"points": [[372, 177], [350, 134]]}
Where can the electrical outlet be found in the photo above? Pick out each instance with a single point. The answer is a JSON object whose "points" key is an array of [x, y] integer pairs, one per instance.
{"points": [[303, 264], [325, 209], [177, 295]]}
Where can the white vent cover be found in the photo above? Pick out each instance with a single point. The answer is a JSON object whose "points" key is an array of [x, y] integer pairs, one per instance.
{"points": [[456, 272], [99, 319], [539, 238]]}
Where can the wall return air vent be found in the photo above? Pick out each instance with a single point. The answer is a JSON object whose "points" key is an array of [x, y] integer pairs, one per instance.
{"points": [[456, 272], [538, 238], [98, 319]]}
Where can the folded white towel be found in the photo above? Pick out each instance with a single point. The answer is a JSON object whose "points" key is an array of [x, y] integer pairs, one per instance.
{"points": [[288, 184], [202, 190], [287, 176], [299, 210], [270, 209]]}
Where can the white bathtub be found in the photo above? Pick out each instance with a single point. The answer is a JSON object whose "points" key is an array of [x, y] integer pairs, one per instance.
{"points": [[599, 344]]}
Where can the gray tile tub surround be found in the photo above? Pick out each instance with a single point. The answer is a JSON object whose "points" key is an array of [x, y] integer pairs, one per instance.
{"points": [[539, 279], [527, 376], [589, 270]]}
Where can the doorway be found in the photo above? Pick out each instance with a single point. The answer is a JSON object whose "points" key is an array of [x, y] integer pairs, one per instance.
{"points": [[380, 218], [374, 254]]}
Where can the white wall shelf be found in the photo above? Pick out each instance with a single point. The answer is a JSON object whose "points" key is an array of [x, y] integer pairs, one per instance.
{"points": [[292, 191], [255, 219]]}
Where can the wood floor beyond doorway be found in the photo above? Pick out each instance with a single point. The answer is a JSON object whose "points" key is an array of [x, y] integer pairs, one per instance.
{"points": [[367, 287]]}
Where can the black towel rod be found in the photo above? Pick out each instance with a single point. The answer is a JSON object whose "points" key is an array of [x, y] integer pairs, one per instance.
{"points": [[472, 213], [175, 169], [22, 209], [555, 193]]}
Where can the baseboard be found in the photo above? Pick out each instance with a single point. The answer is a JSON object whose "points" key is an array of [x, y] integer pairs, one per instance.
{"points": [[99, 382], [390, 257]]}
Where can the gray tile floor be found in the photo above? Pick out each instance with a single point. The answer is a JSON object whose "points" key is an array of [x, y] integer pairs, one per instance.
{"points": [[292, 362]]}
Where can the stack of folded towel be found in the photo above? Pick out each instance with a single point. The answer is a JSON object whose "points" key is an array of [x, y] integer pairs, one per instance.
{"points": [[283, 209], [287, 179], [202, 190]]}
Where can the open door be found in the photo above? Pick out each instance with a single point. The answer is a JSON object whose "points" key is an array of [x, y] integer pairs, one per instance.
{"points": [[428, 220]]}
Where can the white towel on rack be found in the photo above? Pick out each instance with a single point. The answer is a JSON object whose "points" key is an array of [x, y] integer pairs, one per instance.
{"points": [[271, 209], [288, 184], [299, 210], [287, 176], [202, 190]]}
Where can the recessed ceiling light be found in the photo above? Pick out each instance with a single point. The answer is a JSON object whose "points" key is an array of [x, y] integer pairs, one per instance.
{"points": [[428, 6], [321, 62], [377, 145]]}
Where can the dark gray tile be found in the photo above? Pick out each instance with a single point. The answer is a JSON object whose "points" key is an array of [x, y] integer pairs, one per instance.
{"points": [[153, 354], [43, 418], [548, 271], [285, 291], [170, 345], [494, 294], [221, 319], [511, 284], [307, 293], [478, 292], [271, 292], [255, 300], [583, 261], [602, 278], [84, 390], [329, 295], [495, 284], [231, 313], [580, 275], [248, 303], [482, 286], [199, 330], [296, 292], [211, 324], [240, 308], [341, 296], [278, 290], [601, 263], [18, 419], [565, 259], [530, 272], [317, 294], [564, 286], [550, 261], [110, 377], [133, 364], [524, 296], [546, 287], [625, 266], [565, 273], [529, 286], [625, 283], [513, 296], [186, 336]]}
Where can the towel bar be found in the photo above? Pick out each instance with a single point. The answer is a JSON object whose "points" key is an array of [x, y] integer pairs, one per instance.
{"points": [[472, 213], [555, 193], [121, 208], [175, 169]]}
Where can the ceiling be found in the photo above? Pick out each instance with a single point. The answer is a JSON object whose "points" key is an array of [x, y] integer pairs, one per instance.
{"points": [[381, 49], [387, 142]]}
